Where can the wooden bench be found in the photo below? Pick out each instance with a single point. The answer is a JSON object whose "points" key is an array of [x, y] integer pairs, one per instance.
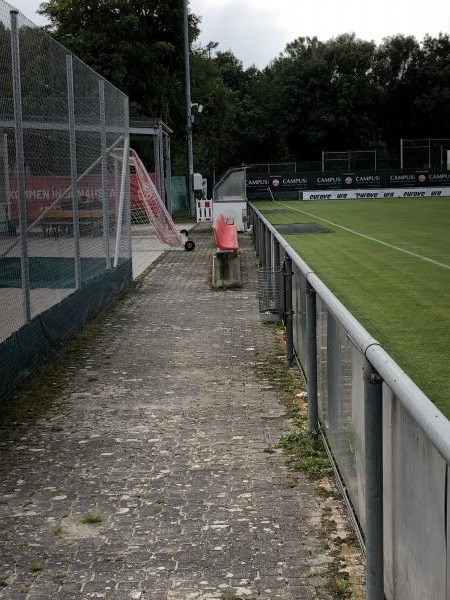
{"points": [[226, 271]]}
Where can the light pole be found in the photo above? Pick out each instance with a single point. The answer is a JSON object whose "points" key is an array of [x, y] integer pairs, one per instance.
{"points": [[187, 71]]}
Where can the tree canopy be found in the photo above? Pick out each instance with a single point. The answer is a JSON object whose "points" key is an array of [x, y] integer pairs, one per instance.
{"points": [[336, 94]]}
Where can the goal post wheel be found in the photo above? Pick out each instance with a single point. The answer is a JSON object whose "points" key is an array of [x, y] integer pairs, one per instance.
{"points": [[189, 245], [184, 232]]}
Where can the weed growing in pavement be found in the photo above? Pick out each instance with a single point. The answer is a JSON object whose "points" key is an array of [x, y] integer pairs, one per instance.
{"points": [[342, 586], [291, 482], [305, 452], [92, 517], [36, 566], [229, 594]]}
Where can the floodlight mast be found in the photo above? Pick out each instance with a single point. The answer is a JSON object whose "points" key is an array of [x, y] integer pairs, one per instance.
{"points": [[187, 71]]}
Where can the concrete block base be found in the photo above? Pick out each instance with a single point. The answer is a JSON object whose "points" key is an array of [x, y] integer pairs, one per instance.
{"points": [[226, 271]]}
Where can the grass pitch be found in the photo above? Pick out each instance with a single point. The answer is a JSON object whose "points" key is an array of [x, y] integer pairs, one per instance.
{"points": [[388, 261]]}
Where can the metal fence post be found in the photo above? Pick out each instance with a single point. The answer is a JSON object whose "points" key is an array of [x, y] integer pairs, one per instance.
{"points": [[101, 88], [5, 160], [268, 241], [287, 277], [276, 274], [258, 238], [373, 413], [311, 342], [73, 168], [276, 254], [122, 194], [262, 238], [253, 223], [20, 163]]}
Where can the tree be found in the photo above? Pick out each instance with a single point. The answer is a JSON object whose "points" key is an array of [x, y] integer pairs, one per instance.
{"points": [[135, 44]]}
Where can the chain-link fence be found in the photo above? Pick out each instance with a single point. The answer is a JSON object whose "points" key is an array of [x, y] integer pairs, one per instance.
{"points": [[64, 193], [425, 153]]}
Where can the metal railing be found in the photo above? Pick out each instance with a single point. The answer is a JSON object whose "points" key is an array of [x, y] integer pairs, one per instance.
{"points": [[390, 443]]}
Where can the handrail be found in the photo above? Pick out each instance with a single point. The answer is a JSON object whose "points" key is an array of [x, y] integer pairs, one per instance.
{"points": [[418, 405]]}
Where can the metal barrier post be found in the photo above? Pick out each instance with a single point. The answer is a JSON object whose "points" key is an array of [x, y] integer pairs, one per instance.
{"points": [[268, 240], [20, 165], [276, 254], [311, 342], [276, 275], [373, 413], [258, 239], [287, 277], [262, 237], [73, 168]]}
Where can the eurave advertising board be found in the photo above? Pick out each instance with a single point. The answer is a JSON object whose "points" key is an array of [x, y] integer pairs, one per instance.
{"points": [[375, 193], [297, 182]]}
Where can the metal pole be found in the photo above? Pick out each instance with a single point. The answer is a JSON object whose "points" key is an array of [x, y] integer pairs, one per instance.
{"points": [[20, 162], [311, 344], [168, 171], [268, 244], [375, 160], [156, 157], [126, 153], [161, 167], [276, 275], [190, 153], [101, 88], [255, 233], [116, 183], [429, 153], [263, 256], [6, 175], [373, 414], [73, 168], [276, 254], [287, 273], [401, 154], [323, 161]]}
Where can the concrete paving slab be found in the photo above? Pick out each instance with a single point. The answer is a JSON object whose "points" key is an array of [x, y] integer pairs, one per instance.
{"points": [[146, 477]]}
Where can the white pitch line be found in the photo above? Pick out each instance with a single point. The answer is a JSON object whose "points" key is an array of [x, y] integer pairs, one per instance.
{"points": [[368, 237]]}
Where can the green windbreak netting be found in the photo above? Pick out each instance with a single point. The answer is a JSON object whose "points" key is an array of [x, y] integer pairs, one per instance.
{"points": [[49, 272]]}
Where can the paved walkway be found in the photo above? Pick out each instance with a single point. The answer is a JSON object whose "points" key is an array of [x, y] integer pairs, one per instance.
{"points": [[157, 431]]}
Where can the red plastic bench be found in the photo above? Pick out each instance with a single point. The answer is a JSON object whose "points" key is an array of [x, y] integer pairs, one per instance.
{"points": [[225, 234]]}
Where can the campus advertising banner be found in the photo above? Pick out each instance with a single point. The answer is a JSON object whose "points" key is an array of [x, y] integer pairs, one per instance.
{"points": [[399, 179], [257, 183], [297, 182], [324, 181], [373, 193], [289, 183]]}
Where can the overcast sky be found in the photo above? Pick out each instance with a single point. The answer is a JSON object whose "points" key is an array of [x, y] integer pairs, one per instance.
{"points": [[258, 30]]}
